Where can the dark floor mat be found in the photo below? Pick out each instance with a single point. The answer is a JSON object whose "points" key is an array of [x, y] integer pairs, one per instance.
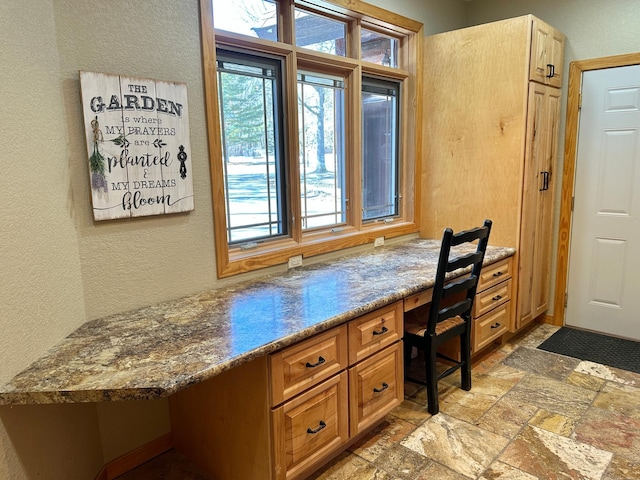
{"points": [[594, 347]]}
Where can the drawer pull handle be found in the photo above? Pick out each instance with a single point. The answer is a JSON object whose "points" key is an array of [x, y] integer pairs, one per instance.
{"points": [[496, 298], [495, 325], [313, 432], [497, 274], [384, 330], [320, 361], [552, 70], [384, 387]]}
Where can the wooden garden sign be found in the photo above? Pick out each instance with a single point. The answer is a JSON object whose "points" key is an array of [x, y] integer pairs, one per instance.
{"points": [[137, 133]]}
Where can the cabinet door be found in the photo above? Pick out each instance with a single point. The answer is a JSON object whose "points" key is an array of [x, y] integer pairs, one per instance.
{"points": [[536, 222], [375, 387], [556, 58], [547, 54], [544, 216], [310, 426]]}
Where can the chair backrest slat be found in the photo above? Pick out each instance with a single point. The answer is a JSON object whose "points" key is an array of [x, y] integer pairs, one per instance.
{"points": [[458, 309], [458, 286], [464, 287], [464, 261], [467, 236]]}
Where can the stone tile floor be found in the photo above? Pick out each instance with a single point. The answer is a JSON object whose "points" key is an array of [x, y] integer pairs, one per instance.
{"points": [[530, 415]]}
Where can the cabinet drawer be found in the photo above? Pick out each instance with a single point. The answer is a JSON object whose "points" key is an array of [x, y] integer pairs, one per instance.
{"points": [[376, 386], [374, 331], [300, 366], [310, 426], [418, 299], [491, 298], [490, 326], [494, 274]]}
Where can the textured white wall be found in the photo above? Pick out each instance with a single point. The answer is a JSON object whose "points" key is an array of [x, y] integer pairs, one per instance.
{"points": [[130, 263], [436, 15], [41, 293], [41, 290], [593, 28]]}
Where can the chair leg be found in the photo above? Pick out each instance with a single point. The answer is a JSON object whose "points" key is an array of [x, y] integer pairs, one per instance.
{"points": [[407, 355], [431, 378], [465, 356]]}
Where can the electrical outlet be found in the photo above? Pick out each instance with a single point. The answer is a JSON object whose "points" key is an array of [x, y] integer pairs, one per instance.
{"points": [[378, 242], [295, 261]]}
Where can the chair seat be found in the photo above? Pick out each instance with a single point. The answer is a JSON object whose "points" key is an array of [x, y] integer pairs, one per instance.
{"points": [[419, 329]]}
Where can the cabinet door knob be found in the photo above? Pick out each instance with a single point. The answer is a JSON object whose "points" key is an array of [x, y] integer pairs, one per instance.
{"points": [[320, 427], [320, 361], [497, 274], [496, 298], [495, 325]]}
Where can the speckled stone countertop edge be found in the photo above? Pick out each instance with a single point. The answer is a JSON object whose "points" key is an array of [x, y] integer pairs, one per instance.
{"points": [[96, 363]]}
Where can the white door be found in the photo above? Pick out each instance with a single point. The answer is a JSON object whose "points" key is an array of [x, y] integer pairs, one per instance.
{"points": [[604, 262]]}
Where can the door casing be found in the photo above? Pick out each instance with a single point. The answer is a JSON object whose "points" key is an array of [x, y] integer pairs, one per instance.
{"points": [[569, 164]]}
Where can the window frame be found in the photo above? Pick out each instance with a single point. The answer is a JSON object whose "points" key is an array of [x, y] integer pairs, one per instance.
{"points": [[281, 164], [235, 259], [378, 85], [342, 136]]}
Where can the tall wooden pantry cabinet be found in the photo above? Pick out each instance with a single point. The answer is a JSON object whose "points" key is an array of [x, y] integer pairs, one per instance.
{"points": [[490, 135]]}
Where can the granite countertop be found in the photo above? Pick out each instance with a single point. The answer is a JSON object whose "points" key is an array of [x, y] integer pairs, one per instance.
{"points": [[158, 350]]}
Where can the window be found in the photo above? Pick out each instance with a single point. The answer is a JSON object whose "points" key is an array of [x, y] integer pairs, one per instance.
{"points": [[320, 33], [322, 174], [256, 18], [380, 117], [312, 127], [379, 48], [250, 103]]}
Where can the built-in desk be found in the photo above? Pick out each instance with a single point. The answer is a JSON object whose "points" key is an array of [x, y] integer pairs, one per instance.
{"points": [[156, 351], [161, 350]]}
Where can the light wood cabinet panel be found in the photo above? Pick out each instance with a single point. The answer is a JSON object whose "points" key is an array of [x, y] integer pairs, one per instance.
{"points": [[418, 299], [310, 426], [490, 138], [489, 327], [547, 54], [375, 387], [491, 298], [296, 368], [217, 422], [495, 273], [537, 208], [374, 331], [492, 305]]}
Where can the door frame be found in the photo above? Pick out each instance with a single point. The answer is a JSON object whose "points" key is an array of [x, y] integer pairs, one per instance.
{"points": [[576, 70]]}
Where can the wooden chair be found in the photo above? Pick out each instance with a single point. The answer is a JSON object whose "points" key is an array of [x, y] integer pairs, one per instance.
{"points": [[450, 312]]}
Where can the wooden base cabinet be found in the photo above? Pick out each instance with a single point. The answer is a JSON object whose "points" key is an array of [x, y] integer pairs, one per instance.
{"points": [[375, 386], [282, 416], [492, 305], [490, 131], [310, 427]]}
